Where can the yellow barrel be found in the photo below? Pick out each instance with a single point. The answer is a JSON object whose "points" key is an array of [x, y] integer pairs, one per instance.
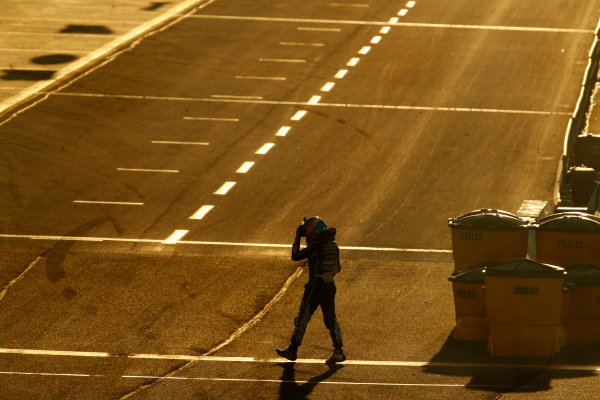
{"points": [[568, 239], [583, 315], [469, 304], [487, 236], [524, 299]]}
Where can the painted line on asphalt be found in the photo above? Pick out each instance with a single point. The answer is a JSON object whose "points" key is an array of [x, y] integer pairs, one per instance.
{"points": [[117, 203], [182, 143], [395, 21], [301, 44], [314, 99], [317, 29], [364, 50], [175, 236], [169, 171], [21, 275], [211, 119], [276, 360], [247, 100], [202, 211], [225, 188], [327, 87], [341, 73], [298, 115], [356, 5], [214, 243], [265, 148], [236, 97], [284, 130], [353, 62], [245, 167], [252, 380], [261, 78], [282, 60]]}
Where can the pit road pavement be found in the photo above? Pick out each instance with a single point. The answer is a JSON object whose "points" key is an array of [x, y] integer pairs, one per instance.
{"points": [[149, 200]]}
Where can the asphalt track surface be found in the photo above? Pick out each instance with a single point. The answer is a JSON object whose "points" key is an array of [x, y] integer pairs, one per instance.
{"points": [[149, 203]]}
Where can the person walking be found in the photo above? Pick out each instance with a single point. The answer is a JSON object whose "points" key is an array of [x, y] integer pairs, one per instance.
{"points": [[323, 256]]}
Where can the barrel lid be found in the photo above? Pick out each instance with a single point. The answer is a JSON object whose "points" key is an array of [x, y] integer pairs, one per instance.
{"points": [[525, 268], [583, 275], [487, 219], [473, 274], [570, 222]]}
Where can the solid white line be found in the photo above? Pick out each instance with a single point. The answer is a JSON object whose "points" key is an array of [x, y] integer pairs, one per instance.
{"points": [[314, 99], [314, 29], [364, 50], [348, 5], [175, 142], [298, 115], [394, 21], [276, 360], [282, 60], [353, 61], [327, 87], [226, 187], [301, 44], [341, 73], [208, 243], [119, 203], [261, 78], [230, 96], [102, 52], [265, 148], [170, 171], [375, 39], [284, 130], [175, 236], [211, 119], [341, 105], [202, 211], [385, 30], [20, 50], [245, 167]]}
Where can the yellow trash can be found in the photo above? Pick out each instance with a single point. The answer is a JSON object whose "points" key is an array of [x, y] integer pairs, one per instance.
{"points": [[524, 299], [469, 304], [583, 315], [568, 239], [487, 236]]}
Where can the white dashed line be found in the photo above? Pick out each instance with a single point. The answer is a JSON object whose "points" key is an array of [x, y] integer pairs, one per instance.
{"points": [[299, 115], [211, 119], [226, 187], [301, 44], [261, 78], [202, 211], [364, 50], [393, 20], [341, 73], [169, 171], [283, 131], [282, 60], [314, 99], [385, 30], [265, 148], [327, 87], [175, 236], [117, 203], [410, 4], [353, 61], [376, 39], [316, 29], [245, 167], [184, 143], [402, 12]]}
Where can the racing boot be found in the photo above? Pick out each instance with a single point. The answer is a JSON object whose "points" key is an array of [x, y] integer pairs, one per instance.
{"points": [[336, 357], [289, 353]]}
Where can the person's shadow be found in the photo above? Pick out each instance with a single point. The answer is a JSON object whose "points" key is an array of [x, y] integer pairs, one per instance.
{"points": [[292, 389]]}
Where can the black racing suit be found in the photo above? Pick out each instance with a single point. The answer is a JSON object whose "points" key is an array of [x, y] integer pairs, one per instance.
{"points": [[317, 292]]}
